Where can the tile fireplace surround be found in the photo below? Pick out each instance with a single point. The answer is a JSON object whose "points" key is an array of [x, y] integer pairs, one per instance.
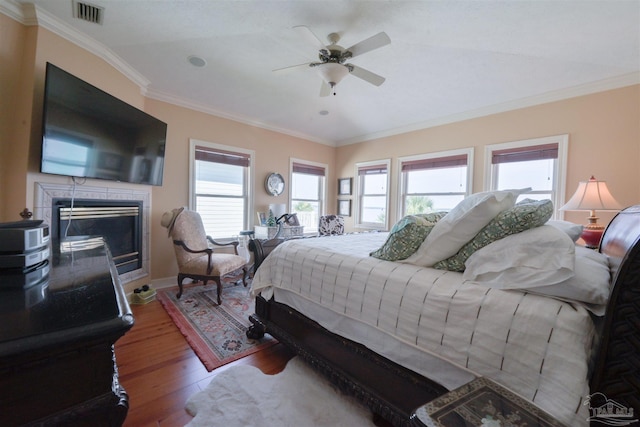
{"points": [[45, 193]]}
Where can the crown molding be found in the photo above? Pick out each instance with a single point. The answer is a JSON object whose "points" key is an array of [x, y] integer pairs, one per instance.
{"points": [[28, 14], [617, 82]]}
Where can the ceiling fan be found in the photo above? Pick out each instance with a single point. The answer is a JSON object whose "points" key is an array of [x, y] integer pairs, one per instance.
{"points": [[332, 65]]}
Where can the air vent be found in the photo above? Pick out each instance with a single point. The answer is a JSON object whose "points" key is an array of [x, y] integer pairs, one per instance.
{"points": [[88, 12]]}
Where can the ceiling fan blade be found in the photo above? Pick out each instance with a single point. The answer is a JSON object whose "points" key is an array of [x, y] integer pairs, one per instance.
{"points": [[305, 32], [292, 68], [366, 75], [325, 89], [367, 45]]}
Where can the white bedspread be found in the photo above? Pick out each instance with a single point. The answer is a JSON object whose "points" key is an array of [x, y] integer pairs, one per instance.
{"points": [[537, 346]]}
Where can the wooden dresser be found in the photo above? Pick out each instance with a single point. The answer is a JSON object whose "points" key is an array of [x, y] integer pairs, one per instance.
{"points": [[57, 364]]}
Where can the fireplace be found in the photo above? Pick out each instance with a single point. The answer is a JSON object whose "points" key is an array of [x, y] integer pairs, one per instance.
{"points": [[118, 222], [127, 198]]}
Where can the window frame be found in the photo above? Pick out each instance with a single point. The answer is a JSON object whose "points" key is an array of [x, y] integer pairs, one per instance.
{"points": [[402, 181], [322, 191], [358, 191], [249, 178], [559, 170]]}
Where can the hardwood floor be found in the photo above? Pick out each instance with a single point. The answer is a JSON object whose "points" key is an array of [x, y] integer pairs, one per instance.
{"points": [[160, 371]]}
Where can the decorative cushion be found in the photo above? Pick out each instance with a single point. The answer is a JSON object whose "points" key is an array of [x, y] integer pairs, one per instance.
{"points": [[523, 216], [330, 225], [461, 224], [541, 256], [406, 236]]}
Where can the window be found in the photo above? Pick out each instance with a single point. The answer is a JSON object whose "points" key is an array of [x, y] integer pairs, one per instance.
{"points": [[537, 163], [220, 188], [434, 182], [307, 193], [372, 191]]}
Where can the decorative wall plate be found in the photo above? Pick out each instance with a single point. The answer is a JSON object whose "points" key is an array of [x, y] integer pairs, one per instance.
{"points": [[274, 184]]}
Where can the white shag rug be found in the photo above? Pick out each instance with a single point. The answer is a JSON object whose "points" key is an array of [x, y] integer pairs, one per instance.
{"points": [[242, 396]]}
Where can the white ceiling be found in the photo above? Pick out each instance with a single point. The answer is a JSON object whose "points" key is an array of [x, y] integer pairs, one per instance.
{"points": [[447, 60]]}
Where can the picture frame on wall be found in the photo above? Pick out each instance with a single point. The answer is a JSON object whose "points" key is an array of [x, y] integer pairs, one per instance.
{"points": [[344, 186], [344, 207]]}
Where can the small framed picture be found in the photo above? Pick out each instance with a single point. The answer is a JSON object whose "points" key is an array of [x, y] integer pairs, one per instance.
{"points": [[292, 220], [344, 186], [262, 218], [344, 207]]}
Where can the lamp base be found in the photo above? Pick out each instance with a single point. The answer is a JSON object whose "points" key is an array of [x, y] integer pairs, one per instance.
{"points": [[591, 234]]}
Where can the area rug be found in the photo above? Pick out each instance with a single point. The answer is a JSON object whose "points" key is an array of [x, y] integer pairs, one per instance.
{"points": [[242, 396], [217, 333]]}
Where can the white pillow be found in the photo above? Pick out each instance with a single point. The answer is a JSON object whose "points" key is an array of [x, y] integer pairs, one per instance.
{"points": [[541, 256], [591, 283], [461, 224], [573, 230]]}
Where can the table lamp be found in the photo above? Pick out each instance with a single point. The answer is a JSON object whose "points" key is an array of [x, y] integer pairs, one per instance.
{"points": [[590, 196]]}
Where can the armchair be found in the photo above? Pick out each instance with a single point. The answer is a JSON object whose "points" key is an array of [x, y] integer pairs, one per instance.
{"points": [[194, 251]]}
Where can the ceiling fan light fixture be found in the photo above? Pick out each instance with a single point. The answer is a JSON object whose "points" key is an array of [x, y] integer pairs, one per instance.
{"points": [[332, 73]]}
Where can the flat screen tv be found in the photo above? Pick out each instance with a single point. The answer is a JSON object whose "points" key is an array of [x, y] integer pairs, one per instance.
{"points": [[89, 133]]}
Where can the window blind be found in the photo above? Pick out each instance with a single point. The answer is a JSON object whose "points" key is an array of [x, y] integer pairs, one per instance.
{"points": [[434, 163], [524, 154], [222, 156], [372, 170], [308, 169]]}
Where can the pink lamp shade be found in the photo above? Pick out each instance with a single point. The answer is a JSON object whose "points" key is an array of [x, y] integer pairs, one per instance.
{"points": [[590, 196]]}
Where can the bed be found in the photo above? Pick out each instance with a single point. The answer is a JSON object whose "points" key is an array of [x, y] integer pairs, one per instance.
{"points": [[397, 335]]}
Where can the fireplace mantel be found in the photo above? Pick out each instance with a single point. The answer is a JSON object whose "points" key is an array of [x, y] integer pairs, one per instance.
{"points": [[46, 192]]}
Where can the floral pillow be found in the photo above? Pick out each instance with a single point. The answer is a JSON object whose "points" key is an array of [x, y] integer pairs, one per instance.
{"points": [[523, 216], [407, 235]]}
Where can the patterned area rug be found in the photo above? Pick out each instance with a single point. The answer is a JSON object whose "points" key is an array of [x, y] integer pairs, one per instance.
{"points": [[216, 333]]}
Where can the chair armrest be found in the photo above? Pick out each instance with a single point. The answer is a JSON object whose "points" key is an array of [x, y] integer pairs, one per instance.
{"points": [[208, 251], [193, 251], [233, 243]]}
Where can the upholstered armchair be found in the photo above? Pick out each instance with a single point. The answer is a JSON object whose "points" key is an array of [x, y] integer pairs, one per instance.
{"points": [[194, 251], [330, 225]]}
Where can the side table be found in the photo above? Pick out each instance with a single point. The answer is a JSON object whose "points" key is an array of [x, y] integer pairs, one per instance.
{"points": [[481, 402]]}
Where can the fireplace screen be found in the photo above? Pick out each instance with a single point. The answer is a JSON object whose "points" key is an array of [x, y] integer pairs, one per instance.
{"points": [[118, 221]]}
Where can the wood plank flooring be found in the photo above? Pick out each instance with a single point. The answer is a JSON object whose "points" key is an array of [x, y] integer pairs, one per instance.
{"points": [[160, 371]]}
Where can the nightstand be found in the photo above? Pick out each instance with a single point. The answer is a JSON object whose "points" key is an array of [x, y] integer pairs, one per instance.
{"points": [[481, 402]]}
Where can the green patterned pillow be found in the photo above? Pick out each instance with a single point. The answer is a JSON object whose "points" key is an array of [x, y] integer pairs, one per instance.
{"points": [[523, 216], [407, 235]]}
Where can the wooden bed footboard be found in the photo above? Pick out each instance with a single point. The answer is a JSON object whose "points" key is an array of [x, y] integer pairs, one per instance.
{"points": [[394, 392], [386, 388]]}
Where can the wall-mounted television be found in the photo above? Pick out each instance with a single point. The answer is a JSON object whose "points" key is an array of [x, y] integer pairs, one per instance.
{"points": [[89, 133]]}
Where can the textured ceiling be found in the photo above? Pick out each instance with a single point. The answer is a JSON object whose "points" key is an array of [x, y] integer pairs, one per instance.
{"points": [[447, 59]]}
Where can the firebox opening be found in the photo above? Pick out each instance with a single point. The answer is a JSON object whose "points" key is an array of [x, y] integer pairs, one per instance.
{"points": [[118, 221]]}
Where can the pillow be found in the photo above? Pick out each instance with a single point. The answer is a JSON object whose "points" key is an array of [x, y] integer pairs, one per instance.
{"points": [[460, 225], [591, 283], [573, 230], [407, 235], [523, 216], [541, 256]]}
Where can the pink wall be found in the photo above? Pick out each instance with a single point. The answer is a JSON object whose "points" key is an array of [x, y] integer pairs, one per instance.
{"points": [[604, 140], [272, 153]]}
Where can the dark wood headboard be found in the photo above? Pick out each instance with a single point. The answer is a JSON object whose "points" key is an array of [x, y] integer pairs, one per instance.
{"points": [[617, 368]]}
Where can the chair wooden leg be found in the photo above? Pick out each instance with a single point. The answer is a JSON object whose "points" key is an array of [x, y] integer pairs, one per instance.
{"points": [[244, 276], [180, 279], [219, 283]]}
